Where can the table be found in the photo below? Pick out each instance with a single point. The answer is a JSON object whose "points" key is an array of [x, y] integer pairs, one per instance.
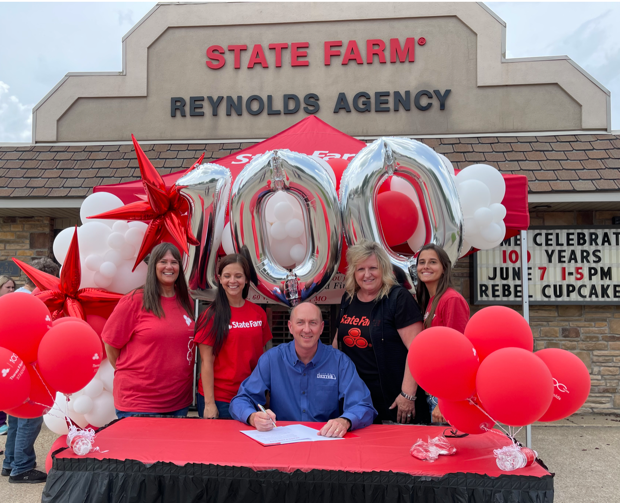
{"points": [[186, 460]]}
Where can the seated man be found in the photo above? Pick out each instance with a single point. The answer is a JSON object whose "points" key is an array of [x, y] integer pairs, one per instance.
{"points": [[307, 380]]}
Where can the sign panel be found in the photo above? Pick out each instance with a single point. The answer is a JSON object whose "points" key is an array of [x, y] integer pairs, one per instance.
{"points": [[565, 266]]}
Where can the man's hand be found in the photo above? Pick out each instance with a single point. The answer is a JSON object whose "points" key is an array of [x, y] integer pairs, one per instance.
{"points": [[437, 416], [262, 421], [336, 428], [406, 409], [211, 411]]}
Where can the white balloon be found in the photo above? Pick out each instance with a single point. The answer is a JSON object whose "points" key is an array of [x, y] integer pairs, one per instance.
{"points": [[62, 243], [483, 217], [227, 242], [97, 203], [55, 423], [134, 236], [464, 248], [470, 229], [113, 256], [325, 165], [116, 240], [499, 212], [473, 195], [294, 228], [281, 251], [93, 262], [108, 269], [128, 252], [492, 237], [81, 421], [93, 238], [94, 388], [278, 230], [283, 212], [488, 175], [120, 226], [106, 374], [278, 197], [102, 281], [103, 410], [88, 278], [298, 252], [125, 281], [83, 405], [492, 233]]}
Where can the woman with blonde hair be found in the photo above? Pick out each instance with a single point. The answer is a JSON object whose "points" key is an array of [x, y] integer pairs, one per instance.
{"points": [[7, 285], [378, 321]]}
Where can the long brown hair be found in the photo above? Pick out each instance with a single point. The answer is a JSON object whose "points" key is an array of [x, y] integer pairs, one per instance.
{"points": [[151, 299], [422, 295], [219, 311], [360, 252]]}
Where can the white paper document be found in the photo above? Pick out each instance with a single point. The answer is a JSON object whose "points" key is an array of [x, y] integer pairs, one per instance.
{"points": [[287, 435]]}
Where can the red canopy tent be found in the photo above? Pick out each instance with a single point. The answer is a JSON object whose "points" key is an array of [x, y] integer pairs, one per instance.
{"points": [[312, 136]]}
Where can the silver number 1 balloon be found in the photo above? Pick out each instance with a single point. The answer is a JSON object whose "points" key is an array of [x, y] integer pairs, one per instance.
{"points": [[305, 179], [419, 165], [206, 188]]}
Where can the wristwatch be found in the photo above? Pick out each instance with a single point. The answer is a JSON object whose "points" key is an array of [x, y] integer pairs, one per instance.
{"points": [[408, 397]]}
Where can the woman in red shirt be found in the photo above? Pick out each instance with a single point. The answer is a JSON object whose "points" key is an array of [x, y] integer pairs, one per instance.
{"points": [[231, 335], [441, 304], [149, 340]]}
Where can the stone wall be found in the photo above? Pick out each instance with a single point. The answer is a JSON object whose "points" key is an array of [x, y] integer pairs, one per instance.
{"points": [[25, 238]]}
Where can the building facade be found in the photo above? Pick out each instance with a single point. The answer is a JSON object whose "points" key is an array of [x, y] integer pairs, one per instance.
{"points": [[216, 78]]}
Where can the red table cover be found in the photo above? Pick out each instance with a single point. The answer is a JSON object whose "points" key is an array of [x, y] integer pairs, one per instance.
{"points": [[219, 442]]}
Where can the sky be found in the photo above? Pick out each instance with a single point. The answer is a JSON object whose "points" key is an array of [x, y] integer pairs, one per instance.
{"points": [[41, 42]]}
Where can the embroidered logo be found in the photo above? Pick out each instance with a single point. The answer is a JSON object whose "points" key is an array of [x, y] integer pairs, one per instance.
{"points": [[5, 372], [245, 324], [354, 338], [187, 319], [326, 375]]}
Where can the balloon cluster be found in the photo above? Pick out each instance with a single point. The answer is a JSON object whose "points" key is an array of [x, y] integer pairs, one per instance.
{"points": [[490, 374], [39, 358], [108, 248], [481, 190]]}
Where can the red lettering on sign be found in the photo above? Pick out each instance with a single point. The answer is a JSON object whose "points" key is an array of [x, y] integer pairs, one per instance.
{"points": [[296, 53], [258, 56], [329, 52], [237, 50], [278, 48], [402, 52], [352, 52], [216, 54], [375, 47]]}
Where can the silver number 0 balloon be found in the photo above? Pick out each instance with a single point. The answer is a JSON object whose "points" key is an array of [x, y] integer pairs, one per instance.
{"points": [[417, 164], [206, 188], [305, 179]]}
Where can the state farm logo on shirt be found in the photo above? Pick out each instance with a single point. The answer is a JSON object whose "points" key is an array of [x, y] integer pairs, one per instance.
{"points": [[354, 320], [245, 324], [326, 375]]}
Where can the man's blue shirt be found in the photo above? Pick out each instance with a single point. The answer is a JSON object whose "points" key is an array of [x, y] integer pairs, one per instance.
{"points": [[326, 388]]}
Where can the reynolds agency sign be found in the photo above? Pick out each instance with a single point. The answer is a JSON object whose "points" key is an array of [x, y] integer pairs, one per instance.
{"points": [[565, 266], [297, 55]]}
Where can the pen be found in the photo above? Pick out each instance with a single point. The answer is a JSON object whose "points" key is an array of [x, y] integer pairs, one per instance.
{"points": [[263, 410]]}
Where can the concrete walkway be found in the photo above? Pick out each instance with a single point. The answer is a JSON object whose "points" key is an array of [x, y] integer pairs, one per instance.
{"points": [[582, 451]]}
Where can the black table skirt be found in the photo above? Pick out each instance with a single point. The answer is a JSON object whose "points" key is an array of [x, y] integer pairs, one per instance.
{"points": [[114, 481]]}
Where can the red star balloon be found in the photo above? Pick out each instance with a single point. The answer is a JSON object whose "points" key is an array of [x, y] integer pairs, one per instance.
{"points": [[165, 209], [62, 296]]}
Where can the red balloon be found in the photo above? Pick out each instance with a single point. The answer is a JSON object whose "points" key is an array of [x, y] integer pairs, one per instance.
{"points": [[571, 381], [96, 322], [498, 327], [398, 216], [342, 268], [59, 443], [40, 399], [514, 386], [69, 356], [68, 319], [444, 363], [14, 379], [24, 319], [338, 165], [465, 416]]}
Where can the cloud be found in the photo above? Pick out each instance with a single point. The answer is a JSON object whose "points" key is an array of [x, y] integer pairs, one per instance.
{"points": [[15, 117], [125, 17]]}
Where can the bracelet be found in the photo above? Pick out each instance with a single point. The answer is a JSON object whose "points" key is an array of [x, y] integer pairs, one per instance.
{"points": [[408, 397]]}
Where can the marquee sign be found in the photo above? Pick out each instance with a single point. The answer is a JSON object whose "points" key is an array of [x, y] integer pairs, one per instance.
{"points": [[565, 266]]}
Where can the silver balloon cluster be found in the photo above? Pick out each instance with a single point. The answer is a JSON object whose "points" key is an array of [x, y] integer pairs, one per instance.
{"points": [[208, 190]]}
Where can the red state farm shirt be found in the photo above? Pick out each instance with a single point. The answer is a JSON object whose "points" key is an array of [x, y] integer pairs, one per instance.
{"points": [[247, 335], [452, 311], [155, 366]]}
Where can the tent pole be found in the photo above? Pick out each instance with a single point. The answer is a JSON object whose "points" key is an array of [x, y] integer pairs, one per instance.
{"points": [[526, 310]]}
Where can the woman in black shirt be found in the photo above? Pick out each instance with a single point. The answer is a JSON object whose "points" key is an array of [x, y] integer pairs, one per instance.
{"points": [[377, 323]]}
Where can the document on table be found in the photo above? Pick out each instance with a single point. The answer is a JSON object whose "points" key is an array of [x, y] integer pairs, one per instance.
{"points": [[291, 434]]}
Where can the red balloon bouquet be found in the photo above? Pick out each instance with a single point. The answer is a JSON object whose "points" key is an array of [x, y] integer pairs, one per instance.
{"points": [[465, 416], [40, 398], [69, 356], [398, 215], [571, 383], [444, 363], [14, 379], [24, 320], [514, 386], [498, 327]]}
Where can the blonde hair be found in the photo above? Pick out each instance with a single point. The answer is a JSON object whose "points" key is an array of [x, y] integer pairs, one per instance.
{"points": [[360, 252], [6, 279]]}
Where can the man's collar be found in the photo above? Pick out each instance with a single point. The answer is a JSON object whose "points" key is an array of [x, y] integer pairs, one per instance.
{"points": [[316, 359]]}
